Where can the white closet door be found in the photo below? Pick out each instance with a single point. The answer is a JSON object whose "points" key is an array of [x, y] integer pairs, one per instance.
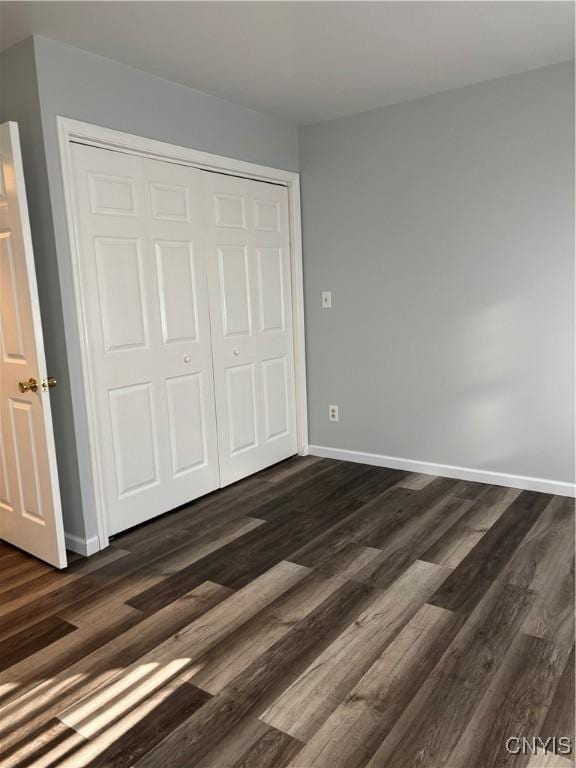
{"points": [[146, 311], [250, 302]]}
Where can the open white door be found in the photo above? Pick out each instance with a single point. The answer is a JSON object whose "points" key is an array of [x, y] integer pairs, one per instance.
{"points": [[30, 509]]}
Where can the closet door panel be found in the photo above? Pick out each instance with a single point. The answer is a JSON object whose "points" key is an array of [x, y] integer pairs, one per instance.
{"points": [[174, 200], [247, 249], [147, 316]]}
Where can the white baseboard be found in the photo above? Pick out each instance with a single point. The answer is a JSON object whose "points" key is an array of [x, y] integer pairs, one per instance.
{"points": [[446, 470], [82, 546]]}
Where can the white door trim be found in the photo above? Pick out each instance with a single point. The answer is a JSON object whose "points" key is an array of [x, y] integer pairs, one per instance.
{"points": [[76, 131]]}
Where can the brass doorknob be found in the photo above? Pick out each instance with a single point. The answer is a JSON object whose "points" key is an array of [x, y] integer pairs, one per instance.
{"points": [[51, 382], [31, 385]]}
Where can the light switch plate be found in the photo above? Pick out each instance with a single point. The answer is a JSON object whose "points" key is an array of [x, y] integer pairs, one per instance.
{"points": [[326, 299]]}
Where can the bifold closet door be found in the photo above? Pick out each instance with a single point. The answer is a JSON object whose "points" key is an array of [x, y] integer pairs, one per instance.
{"points": [[145, 303], [247, 242]]}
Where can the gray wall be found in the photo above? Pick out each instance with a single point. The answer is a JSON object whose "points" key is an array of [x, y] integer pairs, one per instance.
{"points": [[80, 85], [20, 102], [444, 228]]}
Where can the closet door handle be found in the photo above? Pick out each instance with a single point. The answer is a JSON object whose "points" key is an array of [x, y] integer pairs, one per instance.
{"points": [[236, 351]]}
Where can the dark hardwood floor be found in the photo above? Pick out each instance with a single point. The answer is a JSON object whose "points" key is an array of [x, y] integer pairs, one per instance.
{"points": [[320, 614]]}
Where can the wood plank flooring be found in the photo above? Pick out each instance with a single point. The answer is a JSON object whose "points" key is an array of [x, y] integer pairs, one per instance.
{"points": [[320, 614]]}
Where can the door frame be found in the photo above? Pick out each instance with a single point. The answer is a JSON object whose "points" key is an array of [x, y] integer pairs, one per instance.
{"points": [[74, 131]]}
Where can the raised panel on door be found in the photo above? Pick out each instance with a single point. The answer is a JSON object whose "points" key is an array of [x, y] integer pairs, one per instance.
{"points": [[241, 402], [135, 437], [248, 255], [271, 289], [177, 279], [276, 398], [112, 195], [187, 423], [233, 273], [11, 320], [169, 202], [121, 292], [267, 216], [24, 440], [229, 211], [146, 306], [5, 495]]}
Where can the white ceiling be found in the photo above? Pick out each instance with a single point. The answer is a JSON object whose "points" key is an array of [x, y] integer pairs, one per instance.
{"points": [[309, 61]]}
